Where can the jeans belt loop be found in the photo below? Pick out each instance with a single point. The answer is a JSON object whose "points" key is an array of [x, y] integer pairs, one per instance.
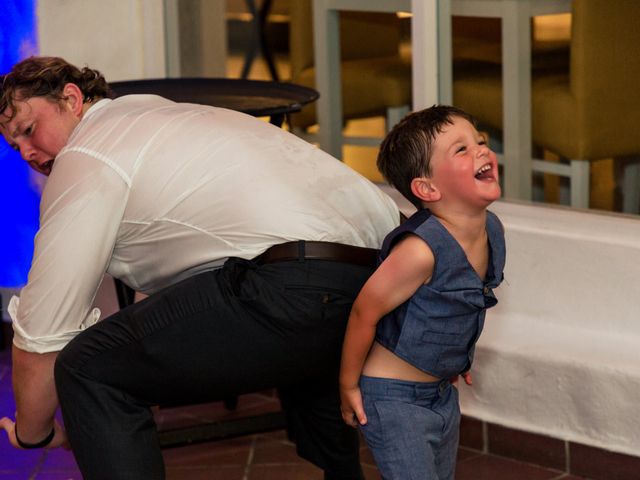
{"points": [[443, 386], [301, 251]]}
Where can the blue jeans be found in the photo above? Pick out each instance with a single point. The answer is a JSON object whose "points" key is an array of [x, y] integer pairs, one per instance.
{"points": [[412, 428]]}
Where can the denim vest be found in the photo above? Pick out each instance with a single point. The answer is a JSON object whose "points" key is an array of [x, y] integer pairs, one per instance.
{"points": [[436, 329]]}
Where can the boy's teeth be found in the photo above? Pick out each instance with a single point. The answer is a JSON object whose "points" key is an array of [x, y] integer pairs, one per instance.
{"points": [[483, 169]]}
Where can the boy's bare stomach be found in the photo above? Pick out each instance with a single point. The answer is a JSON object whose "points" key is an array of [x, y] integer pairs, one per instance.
{"points": [[385, 364]]}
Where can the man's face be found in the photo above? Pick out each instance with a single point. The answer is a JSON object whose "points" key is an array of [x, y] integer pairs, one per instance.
{"points": [[463, 166], [38, 130]]}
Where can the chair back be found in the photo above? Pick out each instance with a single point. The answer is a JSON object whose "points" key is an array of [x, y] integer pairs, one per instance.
{"points": [[362, 35], [479, 39], [604, 75]]}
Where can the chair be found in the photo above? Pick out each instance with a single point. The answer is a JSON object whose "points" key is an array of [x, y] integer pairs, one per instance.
{"points": [[376, 80], [479, 39], [589, 113]]}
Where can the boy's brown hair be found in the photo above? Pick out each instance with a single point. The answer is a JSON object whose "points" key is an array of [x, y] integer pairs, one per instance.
{"points": [[406, 151]]}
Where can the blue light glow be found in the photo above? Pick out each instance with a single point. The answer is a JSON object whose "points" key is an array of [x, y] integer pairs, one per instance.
{"points": [[19, 192]]}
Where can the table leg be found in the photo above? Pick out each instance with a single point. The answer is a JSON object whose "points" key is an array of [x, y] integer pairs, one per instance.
{"points": [[259, 39], [277, 119]]}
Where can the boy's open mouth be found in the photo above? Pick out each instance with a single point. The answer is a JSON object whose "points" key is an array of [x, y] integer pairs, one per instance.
{"points": [[485, 172]]}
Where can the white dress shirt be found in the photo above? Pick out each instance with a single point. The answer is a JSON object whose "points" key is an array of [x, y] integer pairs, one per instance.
{"points": [[153, 191]]}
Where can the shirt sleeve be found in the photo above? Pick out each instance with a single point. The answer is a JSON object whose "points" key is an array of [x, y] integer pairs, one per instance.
{"points": [[80, 213]]}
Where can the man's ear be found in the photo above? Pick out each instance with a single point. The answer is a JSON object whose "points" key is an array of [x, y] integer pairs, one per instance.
{"points": [[74, 98], [425, 190]]}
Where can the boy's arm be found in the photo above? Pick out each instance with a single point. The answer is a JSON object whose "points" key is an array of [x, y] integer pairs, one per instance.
{"points": [[409, 265]]}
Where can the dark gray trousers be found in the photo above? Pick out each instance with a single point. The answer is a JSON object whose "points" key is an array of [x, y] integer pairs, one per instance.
{"points": [[242, 328]]}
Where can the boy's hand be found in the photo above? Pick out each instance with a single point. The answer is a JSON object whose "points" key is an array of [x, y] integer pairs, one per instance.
{"points": [[466, 376], [351, 407]]}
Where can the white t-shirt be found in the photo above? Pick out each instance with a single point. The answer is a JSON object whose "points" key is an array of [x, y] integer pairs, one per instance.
{"points": [[153, 191]]}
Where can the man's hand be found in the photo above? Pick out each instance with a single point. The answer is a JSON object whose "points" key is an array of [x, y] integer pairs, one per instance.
{"points": [[59, 437], [351, 407]]}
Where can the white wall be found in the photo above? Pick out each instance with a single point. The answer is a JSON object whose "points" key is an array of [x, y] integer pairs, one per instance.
{"points": [[131, 39], [124, 39]]}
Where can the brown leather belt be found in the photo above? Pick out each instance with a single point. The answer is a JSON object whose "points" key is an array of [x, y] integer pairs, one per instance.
{"points": [[303, 250]]}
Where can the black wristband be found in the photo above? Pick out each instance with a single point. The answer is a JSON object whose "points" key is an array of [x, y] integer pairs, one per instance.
{"points": [[40, 444]]}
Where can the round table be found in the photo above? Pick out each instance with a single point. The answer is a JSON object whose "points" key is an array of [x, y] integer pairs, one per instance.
{"points": [[254, 97]]}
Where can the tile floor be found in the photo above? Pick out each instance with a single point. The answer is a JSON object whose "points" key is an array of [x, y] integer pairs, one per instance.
{"points": [[267, 456]]}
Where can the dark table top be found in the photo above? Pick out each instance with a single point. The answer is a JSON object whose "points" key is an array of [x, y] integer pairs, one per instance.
{"points": [[254, 97]]}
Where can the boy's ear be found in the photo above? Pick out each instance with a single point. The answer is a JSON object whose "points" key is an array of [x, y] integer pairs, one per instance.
{"points": [[425, 190]]}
